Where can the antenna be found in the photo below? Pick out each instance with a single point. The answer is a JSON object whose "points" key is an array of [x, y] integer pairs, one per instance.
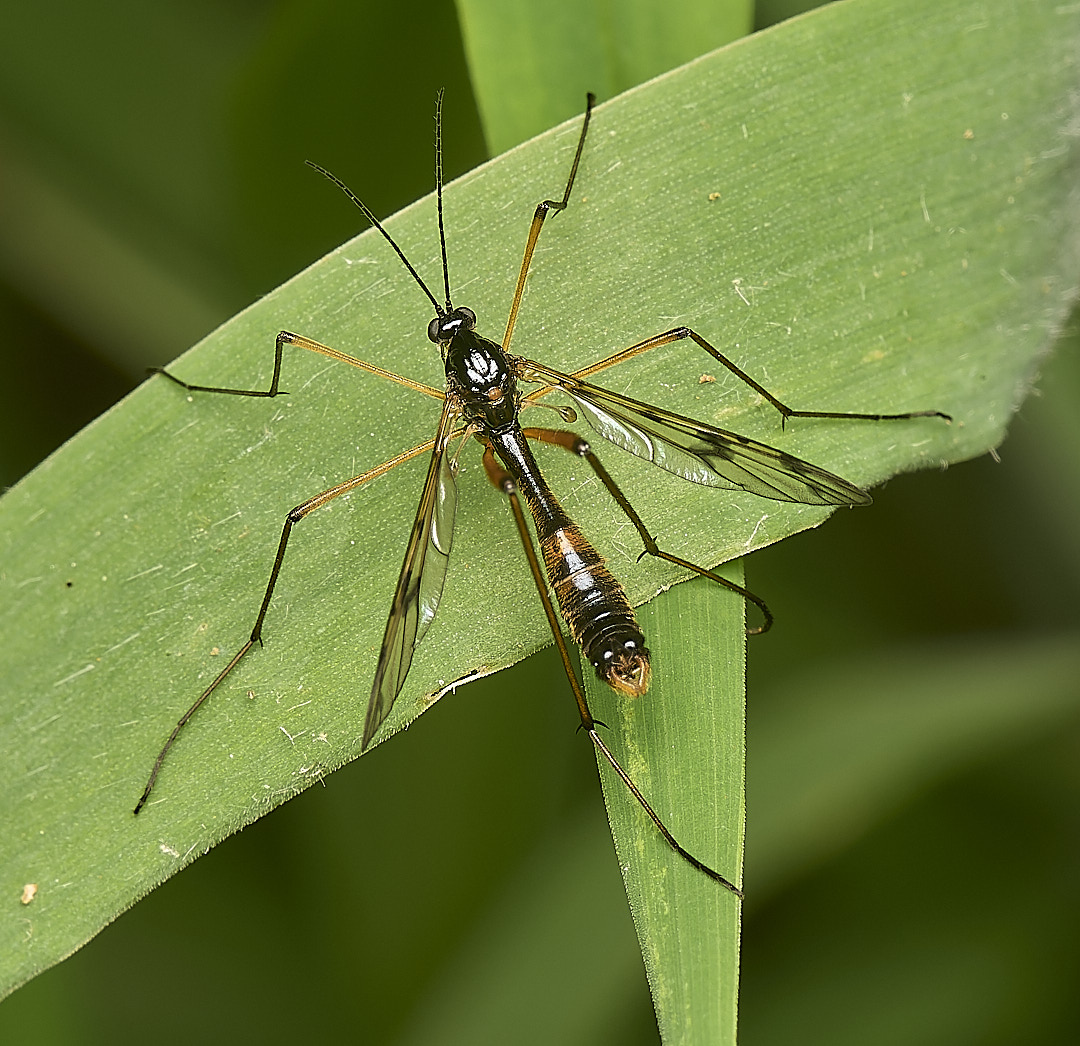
{"points": [[438, 194], [390, 239]]}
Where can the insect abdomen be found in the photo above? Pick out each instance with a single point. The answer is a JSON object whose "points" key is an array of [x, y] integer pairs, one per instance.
{"points": [[591, 601], [595, 607]]}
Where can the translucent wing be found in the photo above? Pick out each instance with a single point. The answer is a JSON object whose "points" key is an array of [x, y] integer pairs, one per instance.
{"points": [[699, 452], [420, 585]]}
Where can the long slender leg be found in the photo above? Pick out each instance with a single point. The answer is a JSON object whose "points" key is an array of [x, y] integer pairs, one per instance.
{"points": [[543, 209], [288, 338], [506, 484], [572, 442], [679, 333], [294, 517]]}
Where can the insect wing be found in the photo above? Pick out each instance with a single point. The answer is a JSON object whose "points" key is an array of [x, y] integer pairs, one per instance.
{"points": [[420, 585], [702, 453], [440, 531]]}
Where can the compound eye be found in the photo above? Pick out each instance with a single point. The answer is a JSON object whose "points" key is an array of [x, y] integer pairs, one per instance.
{"points": [[468, 316], [433, 329]]}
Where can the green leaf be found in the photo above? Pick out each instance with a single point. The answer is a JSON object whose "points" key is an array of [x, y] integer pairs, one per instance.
{"points": [[894, 229], [683, 745], [531, 63], [912, 768]]}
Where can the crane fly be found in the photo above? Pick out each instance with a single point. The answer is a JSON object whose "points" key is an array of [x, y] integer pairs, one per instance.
{"points": [[483, 400]]}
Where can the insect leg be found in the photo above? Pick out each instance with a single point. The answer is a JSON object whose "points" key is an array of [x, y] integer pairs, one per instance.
{"points": [[505, 483], [288, 338], [574, 443], [541, 213], [291, 520], [679, 333]]}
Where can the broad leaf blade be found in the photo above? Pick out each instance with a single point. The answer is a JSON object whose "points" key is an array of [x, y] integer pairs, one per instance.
{"points": [[864, 251]]}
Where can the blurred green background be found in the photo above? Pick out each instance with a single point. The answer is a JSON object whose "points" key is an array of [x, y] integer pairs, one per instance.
{"points": [[914, 724]]}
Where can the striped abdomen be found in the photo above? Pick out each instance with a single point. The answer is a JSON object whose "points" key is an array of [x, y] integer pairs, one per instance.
{"points": [[595, 607], [591, 600]]}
